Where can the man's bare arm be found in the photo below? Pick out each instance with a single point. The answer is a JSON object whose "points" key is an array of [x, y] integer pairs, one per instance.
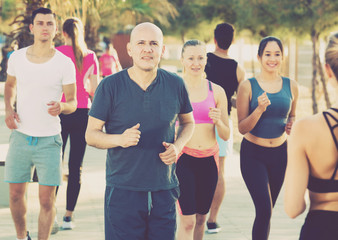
{"points": [[97, 138]]}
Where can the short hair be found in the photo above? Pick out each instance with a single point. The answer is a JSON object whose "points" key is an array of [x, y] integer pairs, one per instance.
{"points": [[42, 11], [224, 35], [331, 53], [190, 43], [265, 41]]}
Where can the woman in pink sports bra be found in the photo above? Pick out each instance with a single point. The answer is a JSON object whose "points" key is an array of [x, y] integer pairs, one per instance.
{"points": [[197, 167]]}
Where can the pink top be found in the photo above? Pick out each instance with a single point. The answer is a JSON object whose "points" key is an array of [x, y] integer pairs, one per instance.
{"points": [[108, 64], [89, 67], [201, 109]]}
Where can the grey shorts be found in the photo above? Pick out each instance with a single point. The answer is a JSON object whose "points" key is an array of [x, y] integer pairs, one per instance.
{"points": [[42, 152]]}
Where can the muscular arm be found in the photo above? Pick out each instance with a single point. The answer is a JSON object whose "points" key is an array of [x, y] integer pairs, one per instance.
{"points": [[9, 98], [97, 138], [70, 95], [185, 130], [297, 172], [184, 133], [56, 108], [240, 74]]}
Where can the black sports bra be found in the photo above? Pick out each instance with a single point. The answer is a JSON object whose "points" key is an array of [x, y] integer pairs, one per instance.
{"points": [[319, 185]]}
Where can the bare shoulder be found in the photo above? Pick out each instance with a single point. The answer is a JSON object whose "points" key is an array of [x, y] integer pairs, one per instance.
{"points": [[294, 87], [217, 88], [245, 85], [306, 125], [240, 73], [219, 93], [293, 84]]}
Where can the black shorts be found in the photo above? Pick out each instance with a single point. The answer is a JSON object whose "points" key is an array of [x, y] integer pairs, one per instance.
{"points": [[320, 224], [198, 179]]}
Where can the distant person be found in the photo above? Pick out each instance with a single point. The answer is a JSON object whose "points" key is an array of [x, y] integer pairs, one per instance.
{"points": [[6, 52], [138, 107], [13, 47], [74, 125], [313, 164], [224, 71], [197, 166], [36, 77], [266, 108], [109, 61]]}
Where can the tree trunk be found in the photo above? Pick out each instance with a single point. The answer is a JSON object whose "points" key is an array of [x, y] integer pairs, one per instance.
{"points": [[252, 59], [92, 36], [324, 82], [314, 38], [182, 37]]}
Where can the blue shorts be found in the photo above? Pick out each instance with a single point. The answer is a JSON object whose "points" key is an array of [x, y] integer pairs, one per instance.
{"points": [[139, 215], [225, 147], [25, 151]]}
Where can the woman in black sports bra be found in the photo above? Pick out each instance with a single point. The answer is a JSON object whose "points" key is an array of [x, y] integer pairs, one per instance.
{"points": [[313, 163]]}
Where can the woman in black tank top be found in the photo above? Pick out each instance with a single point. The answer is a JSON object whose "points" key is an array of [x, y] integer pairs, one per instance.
{"points": [[313, 163]]}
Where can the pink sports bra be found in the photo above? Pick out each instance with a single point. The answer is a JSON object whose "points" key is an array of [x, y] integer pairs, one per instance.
{"points": [[201, 109]]}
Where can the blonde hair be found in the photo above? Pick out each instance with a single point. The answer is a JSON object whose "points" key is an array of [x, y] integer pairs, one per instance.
{"points": [[331, 53], [75, 30], [190, 43]]}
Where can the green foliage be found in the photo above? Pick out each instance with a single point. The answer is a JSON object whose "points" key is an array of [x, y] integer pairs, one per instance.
{"points": [[190, 15]]}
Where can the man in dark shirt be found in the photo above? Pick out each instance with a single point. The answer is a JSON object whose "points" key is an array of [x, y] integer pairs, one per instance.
{"points": [[138, 107], [224, 71]]}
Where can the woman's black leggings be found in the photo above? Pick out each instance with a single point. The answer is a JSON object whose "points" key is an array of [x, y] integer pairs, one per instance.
{"points": [[320, 224], [263, 171], [74, 125]]}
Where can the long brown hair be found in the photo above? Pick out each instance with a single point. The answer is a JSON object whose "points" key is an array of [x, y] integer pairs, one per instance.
{"points": [[74, 29]]}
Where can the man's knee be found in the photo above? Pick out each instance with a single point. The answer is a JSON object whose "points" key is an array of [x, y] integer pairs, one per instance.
{"points": [[46, 204], [47, 201], [16, 192]]}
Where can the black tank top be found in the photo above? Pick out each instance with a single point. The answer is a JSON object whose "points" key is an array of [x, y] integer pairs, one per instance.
{"points": [[223, 71], [326, 185]]}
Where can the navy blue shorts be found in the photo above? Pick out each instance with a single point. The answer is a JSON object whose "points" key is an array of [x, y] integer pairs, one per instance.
{"points": [[139, 215]]}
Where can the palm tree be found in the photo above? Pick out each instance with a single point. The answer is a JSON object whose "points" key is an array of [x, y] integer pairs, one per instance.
{"points": [[21, 32], [112, 15]]}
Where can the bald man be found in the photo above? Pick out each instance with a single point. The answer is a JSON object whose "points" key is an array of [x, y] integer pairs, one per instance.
{"points": [[138, 107]]}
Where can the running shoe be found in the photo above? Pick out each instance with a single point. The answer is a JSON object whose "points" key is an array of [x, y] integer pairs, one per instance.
{"points": [[67, 224], [213, 228], [55, 227]]}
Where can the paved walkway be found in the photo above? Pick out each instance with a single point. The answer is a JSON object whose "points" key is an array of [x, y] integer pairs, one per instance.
{"points": [[236, 216]]}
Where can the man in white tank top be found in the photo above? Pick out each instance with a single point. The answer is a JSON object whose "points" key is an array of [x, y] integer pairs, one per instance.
{"points": [[36, 77]]}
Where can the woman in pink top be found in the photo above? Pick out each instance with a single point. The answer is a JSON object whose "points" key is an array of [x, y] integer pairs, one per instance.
{"points": [[74, 125], [197, 166], [109, 61]]}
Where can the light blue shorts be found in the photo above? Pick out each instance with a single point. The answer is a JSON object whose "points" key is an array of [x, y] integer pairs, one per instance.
{"points": [[225, 147], [42, 152]]}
